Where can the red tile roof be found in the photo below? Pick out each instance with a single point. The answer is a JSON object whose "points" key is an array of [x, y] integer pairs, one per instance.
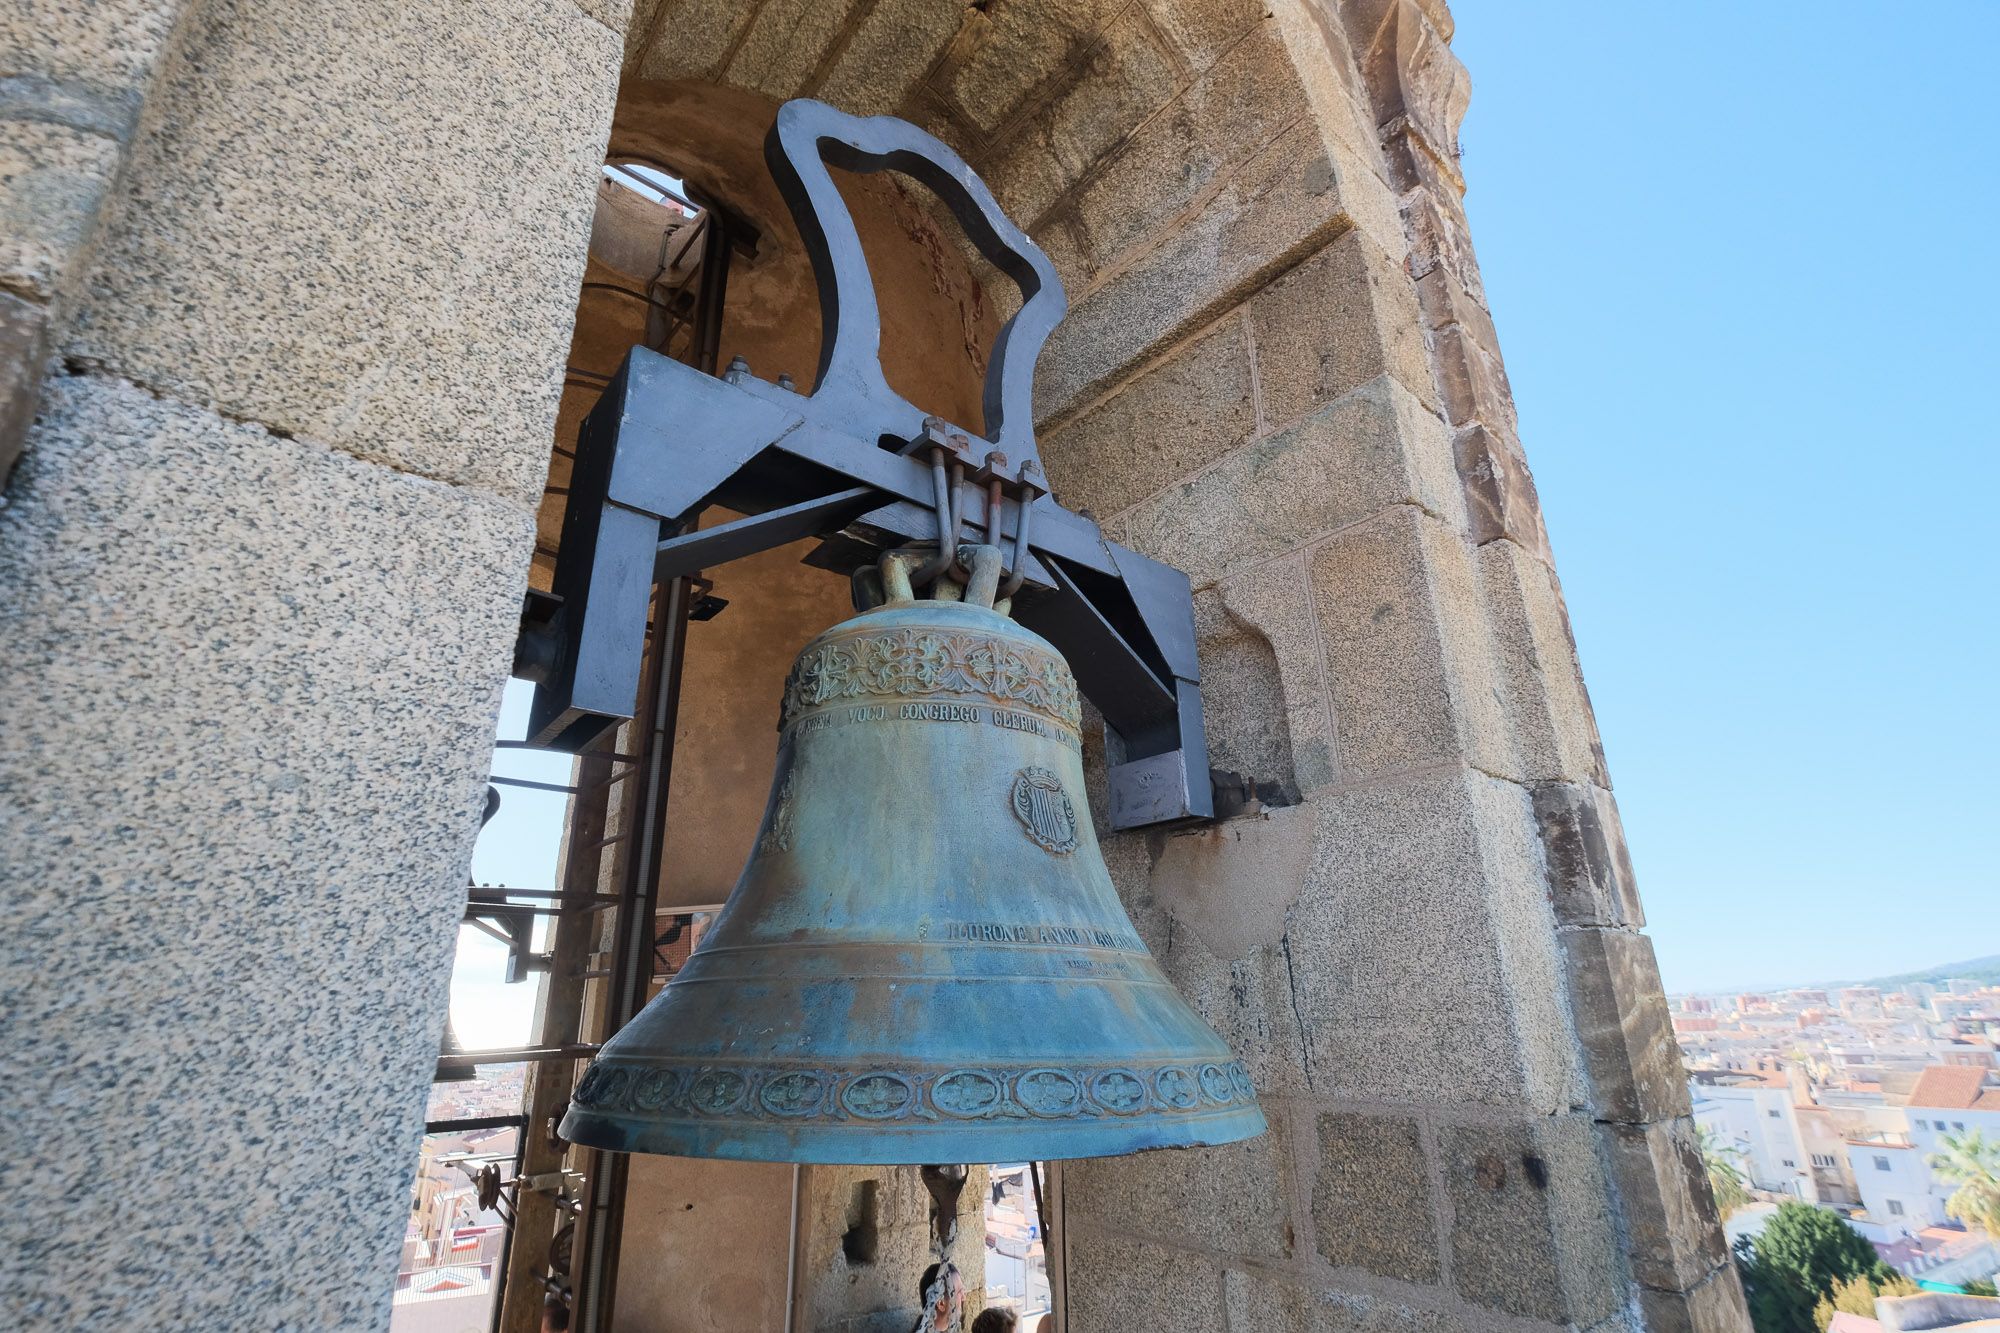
{"points": [[1954, 1088]]}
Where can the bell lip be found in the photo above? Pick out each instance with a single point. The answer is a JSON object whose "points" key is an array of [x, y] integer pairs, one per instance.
{"points": [[903, 1144]]}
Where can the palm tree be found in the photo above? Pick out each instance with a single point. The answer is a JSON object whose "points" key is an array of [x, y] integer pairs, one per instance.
{"points": [[1725, 1177], [1972, 1163]]}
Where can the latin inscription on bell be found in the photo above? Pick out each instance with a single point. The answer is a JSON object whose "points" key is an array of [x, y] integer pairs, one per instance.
{"points": [[1045, 810]]}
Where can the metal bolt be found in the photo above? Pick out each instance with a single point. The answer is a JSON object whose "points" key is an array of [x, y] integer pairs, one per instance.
{"points": [[737, 369]]}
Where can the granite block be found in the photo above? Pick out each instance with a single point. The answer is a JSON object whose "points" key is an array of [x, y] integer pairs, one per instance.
{"points": [[1257, 1303], [1121, 1283], [252, 685], [1177, 416], [102, 50], [52, 178], [1372, 1197], [1234, 1199], [1424, 969], [1410, 661], [1531, 1232], [1340, 319], [1368, 450], [364, 224]]}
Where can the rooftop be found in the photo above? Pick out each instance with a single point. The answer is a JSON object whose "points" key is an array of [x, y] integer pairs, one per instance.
{"points": [[1955, 1088]]}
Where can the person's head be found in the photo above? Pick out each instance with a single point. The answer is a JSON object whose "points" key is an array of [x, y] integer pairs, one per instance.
{"points": [[999, 1319], [555, 1315], [948, 1303]]}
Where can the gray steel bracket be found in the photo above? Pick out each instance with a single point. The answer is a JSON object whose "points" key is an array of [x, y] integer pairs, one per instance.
{"points": [[666, 441]]}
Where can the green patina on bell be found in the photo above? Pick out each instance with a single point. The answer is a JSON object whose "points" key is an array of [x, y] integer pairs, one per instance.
{"points": [[925, 959]]}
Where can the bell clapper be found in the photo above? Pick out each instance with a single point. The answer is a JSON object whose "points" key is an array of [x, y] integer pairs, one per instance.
{"points": [[945, 1184]]}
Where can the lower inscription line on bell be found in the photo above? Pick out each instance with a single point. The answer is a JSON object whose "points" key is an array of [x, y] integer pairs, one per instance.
{"points": [[969, 714]]}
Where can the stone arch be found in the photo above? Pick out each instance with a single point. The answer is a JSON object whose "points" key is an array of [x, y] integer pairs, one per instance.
{"points": [[297, 436]]}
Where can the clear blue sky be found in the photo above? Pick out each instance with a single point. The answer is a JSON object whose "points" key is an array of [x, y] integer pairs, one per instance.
{"points": [[1742, 259]]}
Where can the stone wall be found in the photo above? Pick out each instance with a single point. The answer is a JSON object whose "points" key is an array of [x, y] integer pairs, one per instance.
{"points": [[1278, 373], [261, 565]]}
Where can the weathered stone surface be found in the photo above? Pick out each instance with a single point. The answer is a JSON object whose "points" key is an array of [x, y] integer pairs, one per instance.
{"points": [[691, 39], [1444, 303], [1364, 19], [1409, 659], [879, 1296], [24, 338], [1416, 81], [52, 178], [1372, 1197], [313, 237], [105, 47], [1135, 1285], [1374, 448], [1176, 417], [1286, 202], [1621, 1017], [1201, 31], [1258, 1304], [1274, 601], [891, 50], [1340, 105], [1233, 884], [1338, 320], [718, 1238], [1416, 971], [1548, 713], [1715, 1306], [1016, 50], [1591, 880], [1123, 79], [1440, 237], [1220, 121], [785, 44], [1234, 1199], [296, 659], [1674, 1236], [1500, 498], [613, 14], [1472, 380], [1531, 1229]]}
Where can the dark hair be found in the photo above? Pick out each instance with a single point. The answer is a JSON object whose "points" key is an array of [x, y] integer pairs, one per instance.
{"points": [[924, 1282], [998, 1319]]}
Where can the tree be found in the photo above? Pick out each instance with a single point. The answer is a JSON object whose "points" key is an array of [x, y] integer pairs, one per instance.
{"points": [[1972, 1162], [1796, 1260], [1857, 1296], [1725, 1177]]}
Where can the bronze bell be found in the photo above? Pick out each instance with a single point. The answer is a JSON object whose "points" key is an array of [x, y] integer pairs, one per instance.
{"points": [[924, 960]]}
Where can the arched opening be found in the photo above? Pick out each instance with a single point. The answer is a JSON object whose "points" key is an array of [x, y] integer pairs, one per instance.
{"points": [[1175, 161]]}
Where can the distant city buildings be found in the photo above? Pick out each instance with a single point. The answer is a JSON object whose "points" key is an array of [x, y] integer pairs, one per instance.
{"points": [[1840, 1100]]}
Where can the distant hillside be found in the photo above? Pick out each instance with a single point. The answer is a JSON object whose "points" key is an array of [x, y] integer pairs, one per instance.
{"points": [[1985, 969]]}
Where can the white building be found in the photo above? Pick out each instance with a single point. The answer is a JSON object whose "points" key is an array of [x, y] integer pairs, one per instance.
{"points": [[1754, 1113], [1891, 1173], [1952, 1100]]}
